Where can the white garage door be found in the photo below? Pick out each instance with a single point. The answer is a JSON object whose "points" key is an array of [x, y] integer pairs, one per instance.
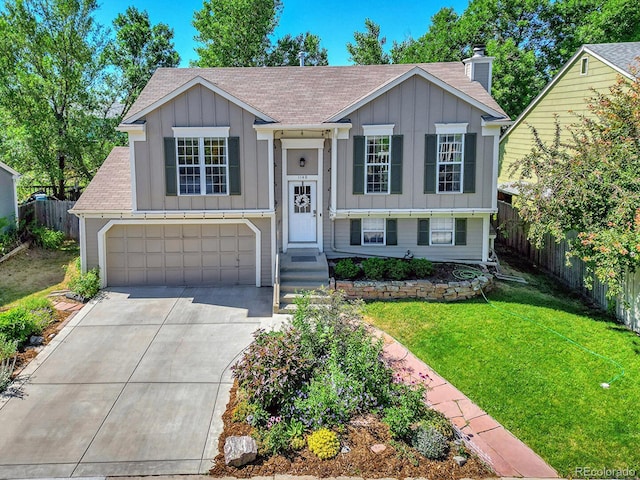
{"points": [[221, 254]]}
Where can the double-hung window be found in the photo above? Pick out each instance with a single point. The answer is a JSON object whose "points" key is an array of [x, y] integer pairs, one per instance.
{"points": [[202, 156], [442, 231], [450, 157], [377, 159], [373, 231]]}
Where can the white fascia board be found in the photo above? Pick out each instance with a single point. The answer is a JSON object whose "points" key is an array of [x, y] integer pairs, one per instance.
{"points": [[556, 79], [13, 173], [398, 80], [378, 129], [451, 128], [412, 213], [291, 143], [137, 131], [205, 83], [268, 127], [177, 215], [218, 132]]}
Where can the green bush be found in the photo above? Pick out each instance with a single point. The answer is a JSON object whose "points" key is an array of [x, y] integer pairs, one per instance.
{"points": [[276, 439], [9, 238], [407, 408], [28, 318], [441, 423], [430, 442], [374, 268], [397, 269], [8, 350], [421, 267], [345, 269], [47, 238], [86, 285]]}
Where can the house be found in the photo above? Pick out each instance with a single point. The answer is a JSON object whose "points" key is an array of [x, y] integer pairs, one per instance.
{"points": [[227, 168], [594, 67], [8, 193]]}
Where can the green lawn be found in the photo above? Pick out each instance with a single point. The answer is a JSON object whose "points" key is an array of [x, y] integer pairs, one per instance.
{"points": [[541, 387], [36, 272]]}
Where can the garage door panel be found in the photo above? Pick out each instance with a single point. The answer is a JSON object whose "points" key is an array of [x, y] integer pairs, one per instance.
{"points": [[207, 254]]}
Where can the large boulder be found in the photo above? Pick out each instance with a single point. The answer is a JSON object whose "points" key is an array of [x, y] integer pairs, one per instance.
{"points": [[239, 451]]}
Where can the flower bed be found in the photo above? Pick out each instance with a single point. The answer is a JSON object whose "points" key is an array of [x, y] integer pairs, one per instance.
{"points": [[385, 290], [318, 399]]}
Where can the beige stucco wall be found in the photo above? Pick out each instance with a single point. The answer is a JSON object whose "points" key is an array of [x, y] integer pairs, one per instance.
{"points": [[570, 93], [200, 107]]}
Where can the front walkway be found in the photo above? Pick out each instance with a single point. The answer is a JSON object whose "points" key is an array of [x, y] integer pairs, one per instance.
{"points": [[134, 384], [493, 443]]}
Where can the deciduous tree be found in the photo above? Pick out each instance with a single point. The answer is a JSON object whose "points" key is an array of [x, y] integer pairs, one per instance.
{"points": [[368, 47], [590, 186], [287, 50]]}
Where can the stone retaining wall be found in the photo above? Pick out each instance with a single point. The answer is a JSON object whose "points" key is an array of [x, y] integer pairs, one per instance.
{"points": [[378, 290]]}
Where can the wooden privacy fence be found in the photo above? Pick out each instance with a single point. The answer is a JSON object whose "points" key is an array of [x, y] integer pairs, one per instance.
{"points": [[552, 258], [53, 214]]}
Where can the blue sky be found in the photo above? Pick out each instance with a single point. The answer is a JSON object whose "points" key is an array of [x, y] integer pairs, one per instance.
{"points": [[333, 20]]}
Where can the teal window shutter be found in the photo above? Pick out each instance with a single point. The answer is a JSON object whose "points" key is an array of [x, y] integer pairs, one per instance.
{"points": [[392, 231], [234, 165], [358, 165], [430, 162], [396, 164], [461, 231], [469, 181], [356, 232], [170, 167], [423, 231]]}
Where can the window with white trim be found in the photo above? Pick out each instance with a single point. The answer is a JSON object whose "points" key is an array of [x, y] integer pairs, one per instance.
{"points": [[442, 231], [377, 163], [203, 166], [450, 159], [373, 231]]}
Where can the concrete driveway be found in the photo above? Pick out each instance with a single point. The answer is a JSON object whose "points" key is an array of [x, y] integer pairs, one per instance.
{"points": [[135, 384]]}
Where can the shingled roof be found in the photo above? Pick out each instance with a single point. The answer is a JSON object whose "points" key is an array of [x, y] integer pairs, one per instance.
{"points": [[110, 189], [305, 95], [621, 55]]}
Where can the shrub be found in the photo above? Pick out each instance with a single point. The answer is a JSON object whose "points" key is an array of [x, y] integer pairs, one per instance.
{"points": [[275, 439], [374, 268], [441, 423], [407, 408], [9, 237], [28, 318], [421, 267], [345, 269], [295, 432], [324, 443], [273, 368], [47, 238], [430, 442], [397, 269], [86, 285]]}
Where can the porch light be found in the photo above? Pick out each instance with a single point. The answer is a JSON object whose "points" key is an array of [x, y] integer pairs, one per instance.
{"points": [[302, 162]]}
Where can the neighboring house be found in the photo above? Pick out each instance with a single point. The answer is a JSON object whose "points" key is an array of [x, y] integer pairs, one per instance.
{"points": [[594, 67], [8, 193], [227, 167]]}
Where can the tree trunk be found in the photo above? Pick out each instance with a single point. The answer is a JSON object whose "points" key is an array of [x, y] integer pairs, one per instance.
{"points": [[60, 188]]}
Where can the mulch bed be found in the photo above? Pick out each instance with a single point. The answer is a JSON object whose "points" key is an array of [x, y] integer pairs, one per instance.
{"points": [[359, 435]]}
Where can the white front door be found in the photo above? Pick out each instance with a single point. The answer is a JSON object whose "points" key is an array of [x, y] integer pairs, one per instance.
{"points": [[302, 212]]}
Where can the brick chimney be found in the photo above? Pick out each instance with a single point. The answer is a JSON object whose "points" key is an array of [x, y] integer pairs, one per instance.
{"points": [[479, 67]]}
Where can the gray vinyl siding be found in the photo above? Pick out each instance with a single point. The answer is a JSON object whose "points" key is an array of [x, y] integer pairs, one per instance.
{"points": [[200, 107], [93, 226], [408, 240], [7, 195], [414, 107]]}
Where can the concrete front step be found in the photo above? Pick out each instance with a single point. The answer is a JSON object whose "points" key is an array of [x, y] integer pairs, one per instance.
{"points": [[314, 299], [317, 276], [297, 286]]}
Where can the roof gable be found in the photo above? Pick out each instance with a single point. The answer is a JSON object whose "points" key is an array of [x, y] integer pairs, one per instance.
{"points": [[597, 50], [7, 168], [306, 95]]}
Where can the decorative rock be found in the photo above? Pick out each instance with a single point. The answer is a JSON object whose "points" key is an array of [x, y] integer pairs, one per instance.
{"points": [[239, 451], [378, 448], [36, 340], [51, 335], [345, 449], [460, 460]]}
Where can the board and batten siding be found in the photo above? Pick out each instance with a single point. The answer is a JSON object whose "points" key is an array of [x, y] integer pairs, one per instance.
{"points": [[408, 239], [570, 93], [414, 107], [92, 227], [200, 107]]}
